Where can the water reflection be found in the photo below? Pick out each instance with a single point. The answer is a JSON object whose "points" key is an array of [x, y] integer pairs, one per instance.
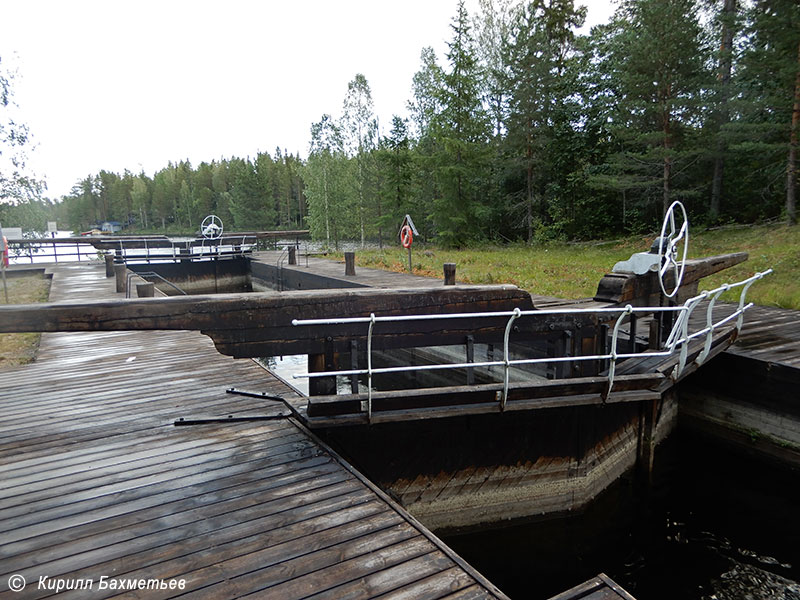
{"points": [[715, 526]]}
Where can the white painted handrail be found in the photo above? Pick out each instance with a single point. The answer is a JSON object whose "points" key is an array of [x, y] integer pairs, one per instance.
{"points": [[679, 336]]}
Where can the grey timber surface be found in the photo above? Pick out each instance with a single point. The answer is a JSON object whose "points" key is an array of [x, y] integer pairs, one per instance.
{"points": [[97, 481]]}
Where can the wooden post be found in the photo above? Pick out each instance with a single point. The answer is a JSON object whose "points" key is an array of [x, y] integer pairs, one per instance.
{"points": [[121, 273], [292, 255], [470, 358], [350, 263], [354, 366], [109, 265], [317, 363], [145, 290], [654, 341], [648, 420], [449, 273], [564, 348], [602, 340], [632, 334]]}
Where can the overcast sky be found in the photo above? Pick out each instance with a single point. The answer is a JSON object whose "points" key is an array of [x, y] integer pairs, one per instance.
{"points": [[122, 84]]}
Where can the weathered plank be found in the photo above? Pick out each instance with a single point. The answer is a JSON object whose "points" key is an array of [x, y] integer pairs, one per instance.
{"points": [[97, 480], [260, 324], [601, 587], [640, 290], [555, 391]]}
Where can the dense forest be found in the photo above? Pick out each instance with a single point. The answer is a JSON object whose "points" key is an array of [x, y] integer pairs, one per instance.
{"points": [[524, 130]]}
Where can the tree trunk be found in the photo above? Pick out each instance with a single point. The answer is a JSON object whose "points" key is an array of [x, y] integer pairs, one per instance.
{"points": [[327, 219], [667, 160], [724, 76], [791, 168], [529, 203]]}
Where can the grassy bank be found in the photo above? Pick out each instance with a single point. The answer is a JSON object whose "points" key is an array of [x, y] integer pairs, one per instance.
{"points": [[573, 270], [20, 348]]}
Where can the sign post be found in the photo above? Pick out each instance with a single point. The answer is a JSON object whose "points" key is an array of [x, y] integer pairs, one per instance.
{"points": [[407, 233], [52, 229]]}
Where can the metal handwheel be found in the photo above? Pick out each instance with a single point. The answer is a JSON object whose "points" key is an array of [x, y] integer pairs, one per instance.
{"points": [[669, 248], [211, 227]]}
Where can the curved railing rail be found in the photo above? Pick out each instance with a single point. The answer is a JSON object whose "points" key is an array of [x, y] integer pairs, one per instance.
{"points": [[679, 336]]}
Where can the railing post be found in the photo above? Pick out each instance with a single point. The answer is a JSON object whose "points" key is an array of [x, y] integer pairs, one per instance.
{"points": [[710, 326], [614, 340], [633, 322], [470, 347], [507, 364], [369, 366], [354, 366], [317, 363]]}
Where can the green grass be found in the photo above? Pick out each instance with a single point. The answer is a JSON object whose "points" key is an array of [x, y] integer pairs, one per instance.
{"points": [[20, 348], [573, 271]]}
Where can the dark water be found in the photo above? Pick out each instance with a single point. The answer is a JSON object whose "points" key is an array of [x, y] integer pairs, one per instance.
{"points": [[716, 525]]}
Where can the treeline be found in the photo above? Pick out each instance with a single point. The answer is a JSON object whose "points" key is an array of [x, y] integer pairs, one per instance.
{"points": [[247, 194], [525, 130], [529, 131]]}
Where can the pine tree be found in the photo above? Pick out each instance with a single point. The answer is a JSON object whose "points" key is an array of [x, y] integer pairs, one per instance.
{"points": [[769, 85], [540, 88], [651, 62], [462, 131]]}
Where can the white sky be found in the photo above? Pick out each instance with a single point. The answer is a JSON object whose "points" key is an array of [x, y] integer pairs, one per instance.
{"points": [[133, 84]]}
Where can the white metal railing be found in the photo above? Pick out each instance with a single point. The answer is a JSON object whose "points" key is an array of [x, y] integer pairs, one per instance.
{"points": [[38, 250], [178, 251], [679, 336]]}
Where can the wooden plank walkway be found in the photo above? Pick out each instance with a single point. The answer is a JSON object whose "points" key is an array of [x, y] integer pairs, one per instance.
{"points": [[601, 587], [770, 334], [98, 482], [334, 269]]}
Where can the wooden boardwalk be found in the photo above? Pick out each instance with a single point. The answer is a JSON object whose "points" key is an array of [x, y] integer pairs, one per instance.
{"points": [[334, 269], [771, 335], [98, 482]]}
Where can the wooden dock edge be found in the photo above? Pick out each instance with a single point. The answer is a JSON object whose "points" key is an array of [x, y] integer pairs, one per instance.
{"points": [[449, 552]]}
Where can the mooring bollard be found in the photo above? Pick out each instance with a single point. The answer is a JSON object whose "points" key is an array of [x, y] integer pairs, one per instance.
{"points": [[121, 273], [292, 255], [349, 263], [449, 273], [145, 290], [109, 265]]}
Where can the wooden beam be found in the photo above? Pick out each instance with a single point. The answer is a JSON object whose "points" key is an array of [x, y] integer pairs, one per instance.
{"points": [[639, 290], [260, 324], [546, 393]]}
